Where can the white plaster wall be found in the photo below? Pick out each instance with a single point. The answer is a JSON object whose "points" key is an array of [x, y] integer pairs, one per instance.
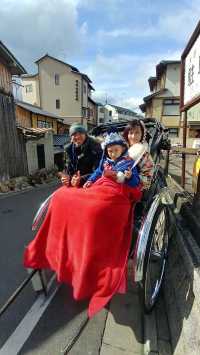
{"points": [[33, 97], [173, 79], [65, 91], [100, 115], [114, 116], [31, 150]]}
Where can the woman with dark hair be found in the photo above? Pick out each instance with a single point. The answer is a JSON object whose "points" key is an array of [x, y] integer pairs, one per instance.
{"points": [[135, 135]]}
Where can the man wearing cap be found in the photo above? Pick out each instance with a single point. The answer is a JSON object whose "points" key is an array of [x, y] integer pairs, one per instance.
{"points": [[82, 156]]}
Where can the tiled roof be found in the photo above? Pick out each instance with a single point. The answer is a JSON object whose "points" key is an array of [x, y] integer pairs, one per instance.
{"points": [[15, 67], [34, 131], [36, 109], [162, 65], [149, 97], [58, 60], [123, 109]]}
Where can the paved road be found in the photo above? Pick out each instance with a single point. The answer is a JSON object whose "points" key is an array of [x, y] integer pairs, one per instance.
{"points": [[175, 169], [16, 214]]}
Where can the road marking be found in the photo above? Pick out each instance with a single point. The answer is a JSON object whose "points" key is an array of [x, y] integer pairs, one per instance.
{"points": [[21, 334]]}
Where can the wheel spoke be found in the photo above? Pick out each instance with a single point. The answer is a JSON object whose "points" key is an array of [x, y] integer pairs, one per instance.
{"points": [[156, 259]]}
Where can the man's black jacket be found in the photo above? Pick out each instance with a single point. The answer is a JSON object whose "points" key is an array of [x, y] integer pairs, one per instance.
{"points": [[84, 158]]}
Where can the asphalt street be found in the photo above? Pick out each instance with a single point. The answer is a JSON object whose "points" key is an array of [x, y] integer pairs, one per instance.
{"points": [[16, 214]]}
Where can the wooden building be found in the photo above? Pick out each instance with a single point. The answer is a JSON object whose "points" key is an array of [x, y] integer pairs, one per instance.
{"points": [[12, 147], [28, 116], [40, 129]]}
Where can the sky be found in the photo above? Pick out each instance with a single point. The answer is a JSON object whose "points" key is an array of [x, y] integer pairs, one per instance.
{"points": [[117, 43]]}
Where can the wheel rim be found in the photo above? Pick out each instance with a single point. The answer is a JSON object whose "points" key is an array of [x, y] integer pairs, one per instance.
{"points": [[156, 260]]}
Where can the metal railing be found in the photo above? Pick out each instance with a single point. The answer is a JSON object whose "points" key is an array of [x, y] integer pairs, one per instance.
{"points": [[19, 290], [187, 152]]}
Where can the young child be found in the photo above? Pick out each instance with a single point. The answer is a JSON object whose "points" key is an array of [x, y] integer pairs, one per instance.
{"points": [[115, 163]]}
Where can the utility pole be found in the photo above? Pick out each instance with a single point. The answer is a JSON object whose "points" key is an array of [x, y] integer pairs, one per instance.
{"points": [[106, 101]]}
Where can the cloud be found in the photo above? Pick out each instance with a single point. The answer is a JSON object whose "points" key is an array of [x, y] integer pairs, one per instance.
{"points": [[116, 42], [177, 24], [122, 79], [33, 28]]}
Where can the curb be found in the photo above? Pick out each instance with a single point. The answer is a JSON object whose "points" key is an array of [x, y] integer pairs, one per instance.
{"points": [[184, 205], [27, 189]]}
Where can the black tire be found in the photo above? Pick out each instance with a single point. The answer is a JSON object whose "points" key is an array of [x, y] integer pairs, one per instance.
{"points": [[155, 257]]}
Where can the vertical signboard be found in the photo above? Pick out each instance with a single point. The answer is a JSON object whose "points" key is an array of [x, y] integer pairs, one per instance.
{"points": [[190, 72]]}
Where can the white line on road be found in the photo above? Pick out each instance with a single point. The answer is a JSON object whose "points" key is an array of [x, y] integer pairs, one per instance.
{"points": [[18, 338]]}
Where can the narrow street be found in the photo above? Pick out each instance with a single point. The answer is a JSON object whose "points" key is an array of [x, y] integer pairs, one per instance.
{"points": [[16, 214]]}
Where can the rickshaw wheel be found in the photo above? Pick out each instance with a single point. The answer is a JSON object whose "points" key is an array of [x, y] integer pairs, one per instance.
{"points": [[155, 257]]}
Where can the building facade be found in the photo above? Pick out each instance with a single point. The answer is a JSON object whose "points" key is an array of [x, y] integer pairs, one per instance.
{"points": [[59, 88], [163, 103], [100, 113], [92, 113], [115, 113]]}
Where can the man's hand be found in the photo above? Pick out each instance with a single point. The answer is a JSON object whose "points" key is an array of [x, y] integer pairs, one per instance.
{"points": [[110, 174], [87, 184], [128, 173], [76, 179], [65, 179]]}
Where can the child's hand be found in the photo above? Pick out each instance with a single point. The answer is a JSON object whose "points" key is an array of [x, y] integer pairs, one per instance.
{"points": [[128, 173], [87, 184]]}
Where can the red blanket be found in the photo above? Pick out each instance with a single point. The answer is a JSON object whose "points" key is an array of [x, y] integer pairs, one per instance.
{"points": [[85, 238]]}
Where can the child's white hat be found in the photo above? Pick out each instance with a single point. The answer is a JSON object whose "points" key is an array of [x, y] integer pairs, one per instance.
{"points": [[114, 138]]}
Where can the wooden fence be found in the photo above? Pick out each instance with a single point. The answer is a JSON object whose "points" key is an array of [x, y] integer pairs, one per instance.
{"points": [[13, 160]]}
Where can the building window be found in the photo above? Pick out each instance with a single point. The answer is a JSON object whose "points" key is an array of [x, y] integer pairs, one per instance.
{"points": [[101, 120], [110, 113], [84, 89], [57, 103], [57, 79], [44, 124], [84, 112], [173, 132], [171, 107], [194, 133], [101, 109], [76, 90], [29, 88]]}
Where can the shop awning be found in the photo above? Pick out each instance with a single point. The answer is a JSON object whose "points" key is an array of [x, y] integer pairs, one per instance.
{"points": [[31, 133]]}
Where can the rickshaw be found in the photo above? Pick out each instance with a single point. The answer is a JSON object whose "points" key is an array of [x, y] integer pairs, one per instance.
{"points": [[152, 219]]}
